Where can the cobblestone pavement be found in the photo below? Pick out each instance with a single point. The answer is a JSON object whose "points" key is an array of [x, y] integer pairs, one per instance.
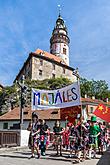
{"points": [[21, 157]]}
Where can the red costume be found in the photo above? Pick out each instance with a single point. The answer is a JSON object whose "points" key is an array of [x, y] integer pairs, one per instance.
{"points": [[66, 136]]}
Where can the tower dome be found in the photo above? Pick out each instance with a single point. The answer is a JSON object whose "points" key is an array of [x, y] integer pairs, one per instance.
{"points": [[59, 41]]}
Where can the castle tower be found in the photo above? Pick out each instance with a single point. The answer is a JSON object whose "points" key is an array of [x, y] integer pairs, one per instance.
{"points": [[59, 42]]}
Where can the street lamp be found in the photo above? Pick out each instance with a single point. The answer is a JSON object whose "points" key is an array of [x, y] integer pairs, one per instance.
{"points": [[23, 90]]}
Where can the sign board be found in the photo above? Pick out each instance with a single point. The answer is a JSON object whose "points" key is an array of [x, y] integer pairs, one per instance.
{"points": [[50, 99]]}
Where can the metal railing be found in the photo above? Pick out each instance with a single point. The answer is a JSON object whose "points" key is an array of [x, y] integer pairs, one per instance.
{"points": [[9, 138]]}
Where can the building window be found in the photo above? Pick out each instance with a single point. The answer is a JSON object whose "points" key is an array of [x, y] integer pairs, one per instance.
{"points": [[64, 51], [63, 70], [41, 62], [40, 72], [28, 75], [53, 66], [5, 125], [91, 109], [53, 75]]}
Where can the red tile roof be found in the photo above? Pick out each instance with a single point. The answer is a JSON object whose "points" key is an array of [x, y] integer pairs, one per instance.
{"points": [[95, 101], [15, 114], [42, 114], [49, 55]]}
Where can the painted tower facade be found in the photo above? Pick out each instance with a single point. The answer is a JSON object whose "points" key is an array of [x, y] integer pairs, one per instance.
{"points": [[59, 42]]}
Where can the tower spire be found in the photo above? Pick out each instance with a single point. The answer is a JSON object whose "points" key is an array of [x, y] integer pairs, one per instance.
{"points": [[59, 9]]}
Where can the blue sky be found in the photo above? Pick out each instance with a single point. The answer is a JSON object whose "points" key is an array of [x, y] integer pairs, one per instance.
{"points": [[27, 25]]}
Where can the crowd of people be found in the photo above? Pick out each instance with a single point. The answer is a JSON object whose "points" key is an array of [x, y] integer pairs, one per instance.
{"points": [[81, 140]]}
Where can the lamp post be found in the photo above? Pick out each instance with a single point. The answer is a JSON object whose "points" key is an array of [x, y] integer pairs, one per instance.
{"points": [[23, 89], [21, 109]]}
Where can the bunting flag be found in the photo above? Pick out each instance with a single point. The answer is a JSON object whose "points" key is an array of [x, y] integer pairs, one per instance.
{"points": [[103, 112]]}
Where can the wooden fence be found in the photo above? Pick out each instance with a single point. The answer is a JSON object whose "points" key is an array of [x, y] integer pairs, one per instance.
{"points": [[9, 138]]}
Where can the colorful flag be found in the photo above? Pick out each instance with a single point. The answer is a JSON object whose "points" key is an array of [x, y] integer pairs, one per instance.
{"points": [[103, 112]]}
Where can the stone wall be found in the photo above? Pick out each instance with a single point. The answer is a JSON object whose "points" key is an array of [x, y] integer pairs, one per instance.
{"points": [[48, 70]]}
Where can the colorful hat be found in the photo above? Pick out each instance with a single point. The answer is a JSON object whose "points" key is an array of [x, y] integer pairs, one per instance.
{"points": [[93, 119]]}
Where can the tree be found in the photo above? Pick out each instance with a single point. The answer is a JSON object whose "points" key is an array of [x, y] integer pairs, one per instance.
{"points": [[99, 88], [8, 97]]}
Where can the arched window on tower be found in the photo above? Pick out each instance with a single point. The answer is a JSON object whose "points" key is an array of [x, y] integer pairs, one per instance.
{"points": [[64, 50]]}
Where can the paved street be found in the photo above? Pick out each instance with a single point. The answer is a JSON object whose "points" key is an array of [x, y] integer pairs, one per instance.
{"points": [[20, 157]]}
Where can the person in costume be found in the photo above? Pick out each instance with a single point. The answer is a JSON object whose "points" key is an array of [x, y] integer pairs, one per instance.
{"points": [[66, 134], [43, 131], [34, 129], [94, 132], [73, 140], [58, 131], [48, 138], [82, 141], [101, 138]]}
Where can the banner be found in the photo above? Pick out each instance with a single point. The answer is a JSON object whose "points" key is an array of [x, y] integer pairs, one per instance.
{"points": [[70, 112], [60, 98]]}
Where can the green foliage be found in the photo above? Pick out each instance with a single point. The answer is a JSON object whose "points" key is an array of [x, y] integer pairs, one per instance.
{"points": [[49, 84], [99, 88], [58, 83], [8, 90], [2, 113]]}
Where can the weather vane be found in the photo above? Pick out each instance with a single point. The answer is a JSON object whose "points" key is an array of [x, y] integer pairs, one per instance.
{"points": [[59, 10]]}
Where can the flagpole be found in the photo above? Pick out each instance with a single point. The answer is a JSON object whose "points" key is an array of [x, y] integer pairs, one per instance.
{"points": [[81, 108]]}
